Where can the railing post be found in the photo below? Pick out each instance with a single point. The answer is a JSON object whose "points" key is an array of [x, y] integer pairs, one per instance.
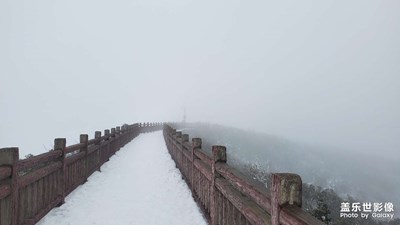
{"points": [[129, 133], [59, 145], [112, 146], [219, 156], [123, 135], [285, 189], [83, 139], [118, 135], [196, 144], [185, 138], [9, 158], [97, 136], [177, 149], [107, 151]]}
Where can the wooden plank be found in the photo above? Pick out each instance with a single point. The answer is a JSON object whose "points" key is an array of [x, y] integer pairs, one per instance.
{"points": [[45, 192], [1, 212], [187, 146], [74, 147], [257, 193], [5, 211], [93, 148], [54, 183], [72, 174], [5, 190], [43, 212], [252, 212], [40, 194], [21, 203], [218, 207], [42, 158], [38, 174], [203, 168], [51, 187], [187, 155], [34, 198], [28, 206], [203, 156], [92, 141], [296, 216], [74, 158], [223, 210], [230, 213]]}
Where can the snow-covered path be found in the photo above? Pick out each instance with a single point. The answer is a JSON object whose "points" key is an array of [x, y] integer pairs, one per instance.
{"points": [[139, 185]]}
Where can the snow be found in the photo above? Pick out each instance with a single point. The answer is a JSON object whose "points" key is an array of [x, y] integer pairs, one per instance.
{"points": [[139, 185]]}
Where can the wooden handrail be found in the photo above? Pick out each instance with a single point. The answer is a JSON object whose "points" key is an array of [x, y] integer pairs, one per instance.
{"points": [[252, 202], [38, 159], [50, 176]]}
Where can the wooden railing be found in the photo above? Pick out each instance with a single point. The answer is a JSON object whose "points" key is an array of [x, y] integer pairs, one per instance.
{"points": [[227, 197], [30, 188]]}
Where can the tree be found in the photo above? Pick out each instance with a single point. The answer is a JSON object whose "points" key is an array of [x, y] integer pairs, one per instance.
{"points": [[322, 211]]}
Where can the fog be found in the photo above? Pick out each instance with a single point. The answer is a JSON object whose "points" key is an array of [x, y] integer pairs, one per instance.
{"points": [[320, 72]]}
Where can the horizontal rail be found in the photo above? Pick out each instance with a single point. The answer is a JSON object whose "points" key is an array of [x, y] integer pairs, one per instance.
{"points": [[105, 137], [187, 146], [74, 158], [35, 160], [74, 147], [93, 148], [249, 209], [38, 174], [295, 215], [92, 141], [5, 172], [240, 182], [187, 154], [203, 168], [203, 156]]}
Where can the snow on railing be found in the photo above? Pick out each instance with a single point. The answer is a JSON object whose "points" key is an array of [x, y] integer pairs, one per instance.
{"points": [[228, 197], [31, 187]]}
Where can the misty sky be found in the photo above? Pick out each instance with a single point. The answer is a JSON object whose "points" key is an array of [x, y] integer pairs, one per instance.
{"points": [[322, 72]]}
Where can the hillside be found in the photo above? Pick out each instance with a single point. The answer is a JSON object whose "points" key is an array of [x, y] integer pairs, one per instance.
{"points": [[330, 176]]}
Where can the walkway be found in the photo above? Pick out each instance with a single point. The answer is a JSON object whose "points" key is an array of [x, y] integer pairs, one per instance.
{"points": [[139, 185]]}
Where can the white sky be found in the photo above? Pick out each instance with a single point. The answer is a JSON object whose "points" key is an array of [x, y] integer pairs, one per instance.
{"points": [[324, 72]]}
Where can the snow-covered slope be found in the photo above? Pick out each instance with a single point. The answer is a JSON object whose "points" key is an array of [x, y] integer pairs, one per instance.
{"points": [[139, 185], [364, 176]]}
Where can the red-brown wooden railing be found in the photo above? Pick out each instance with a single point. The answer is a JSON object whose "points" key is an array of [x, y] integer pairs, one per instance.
{"points": [[226, 196], [30, 188]]}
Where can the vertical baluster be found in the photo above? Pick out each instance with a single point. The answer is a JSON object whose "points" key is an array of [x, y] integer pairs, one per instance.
{"points": [[219, 156]]}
